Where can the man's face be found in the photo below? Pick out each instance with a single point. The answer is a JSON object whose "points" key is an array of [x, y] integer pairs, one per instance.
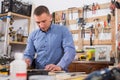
{"points": [[43, 21]]}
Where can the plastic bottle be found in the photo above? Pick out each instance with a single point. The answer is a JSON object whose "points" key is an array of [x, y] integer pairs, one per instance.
{"points": [[20, 34], [18, 68]]}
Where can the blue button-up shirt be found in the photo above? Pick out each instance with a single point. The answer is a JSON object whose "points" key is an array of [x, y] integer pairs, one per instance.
{"points": [[55, 46]]}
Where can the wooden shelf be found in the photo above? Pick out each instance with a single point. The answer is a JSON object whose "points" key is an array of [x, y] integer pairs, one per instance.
{"points": [[15, 42], [6, 18], [75, 31], [102, 6], [60, 21], [98, 42], [72, 22], [15, 14]]}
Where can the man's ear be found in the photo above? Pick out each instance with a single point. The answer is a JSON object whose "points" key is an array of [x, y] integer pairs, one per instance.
{"points": [[117, 5], [50, 17]]}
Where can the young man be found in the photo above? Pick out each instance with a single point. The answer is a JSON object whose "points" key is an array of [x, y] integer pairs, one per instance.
{"points": [[52, 43]]}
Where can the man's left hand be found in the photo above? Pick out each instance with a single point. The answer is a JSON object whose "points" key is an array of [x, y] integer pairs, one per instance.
{"points": [[52, 67]]}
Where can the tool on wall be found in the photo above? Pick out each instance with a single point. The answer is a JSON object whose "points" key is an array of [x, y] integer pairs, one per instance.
{"points": [[91, 32], [85, 9], [112, 7], [98, 27], [105, 24], [97, 6], [79, 20], [93, 8], [63, 18], [81, 23], [11, 20], [71, 12], [91, 35], [117, 5], [12, 33], [53, 17], [108, 19]]}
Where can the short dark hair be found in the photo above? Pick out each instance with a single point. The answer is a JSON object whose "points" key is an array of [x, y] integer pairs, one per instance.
{"points": [[41, 9]]}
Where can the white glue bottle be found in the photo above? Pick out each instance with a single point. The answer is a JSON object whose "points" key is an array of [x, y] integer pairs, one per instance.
{"points": [[18, 68]]}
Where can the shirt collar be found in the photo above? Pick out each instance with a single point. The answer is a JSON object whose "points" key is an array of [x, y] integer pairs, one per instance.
{"points": [[48, 29]]}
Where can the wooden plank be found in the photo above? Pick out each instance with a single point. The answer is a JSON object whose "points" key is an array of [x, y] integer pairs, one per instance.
{"points": [[15, 42], [102, 6], [16, 15], [70, 22], [105, 5], [101, 18], [98, 42], [74, 10], [75, 31], [58, 16]]}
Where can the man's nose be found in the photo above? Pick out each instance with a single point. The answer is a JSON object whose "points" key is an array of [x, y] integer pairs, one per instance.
{"points": [[40, 24]]}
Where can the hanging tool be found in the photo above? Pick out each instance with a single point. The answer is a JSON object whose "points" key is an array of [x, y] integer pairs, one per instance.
{"points": [[71, 11], [83, 32], [117, 5], [97, 6], [81, 23], [85, 9], [112, 7], [91, 35], [53, 17], [93, 8], [63, 18], [108, 19]]}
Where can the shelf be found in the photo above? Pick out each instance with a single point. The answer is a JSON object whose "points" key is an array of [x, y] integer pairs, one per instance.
{"points": [[8, 19], [59, 21], [15, 42], [74, 10], [15, 14], [102, 6], [72, 22], [75, 31], [96, 42]]}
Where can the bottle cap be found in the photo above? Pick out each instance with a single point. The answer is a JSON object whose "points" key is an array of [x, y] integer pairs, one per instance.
{"points": [[18, 55]]}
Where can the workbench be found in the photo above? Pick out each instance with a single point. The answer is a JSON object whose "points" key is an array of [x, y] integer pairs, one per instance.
{"points": [[88, 66]]}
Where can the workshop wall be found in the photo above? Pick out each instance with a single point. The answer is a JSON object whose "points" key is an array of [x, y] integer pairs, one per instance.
{"points": [[57, 5], [62, 5]]}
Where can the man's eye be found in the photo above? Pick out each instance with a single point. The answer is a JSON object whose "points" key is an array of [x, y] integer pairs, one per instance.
{"points": [[43, 21], [37, 22]]}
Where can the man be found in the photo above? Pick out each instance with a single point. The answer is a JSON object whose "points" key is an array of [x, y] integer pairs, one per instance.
{"points": [[52, 43]]}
